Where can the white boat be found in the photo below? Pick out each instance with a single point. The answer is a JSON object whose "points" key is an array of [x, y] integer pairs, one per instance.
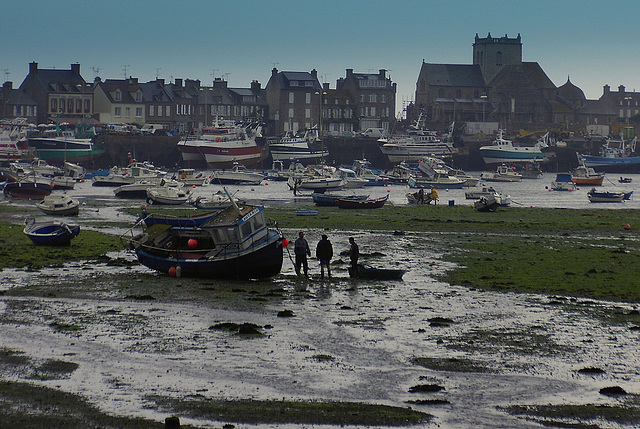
{"points": [[502, 174], [606, 196], [168, 195], [436, 174], [278, 172], [74, 170], [133, 172], [417, 144], [43, 168], [217, 200], [502, 151], [138, 189], [223, 144], [238, 175], [59, 204], [63, 182], [188, 177], [351, 179], [315, 183], [13, 141], [485, 192], [304, 147]]}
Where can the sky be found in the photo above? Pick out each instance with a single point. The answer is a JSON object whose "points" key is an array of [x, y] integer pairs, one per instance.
{"points": [[592, 43]]}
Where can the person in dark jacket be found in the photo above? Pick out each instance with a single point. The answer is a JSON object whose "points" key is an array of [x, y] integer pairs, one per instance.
{"points": [[324, 252], [302, 250], [354, 254]]}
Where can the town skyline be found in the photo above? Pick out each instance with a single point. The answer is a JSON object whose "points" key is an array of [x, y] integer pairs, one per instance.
{"points": [[243, 41]]}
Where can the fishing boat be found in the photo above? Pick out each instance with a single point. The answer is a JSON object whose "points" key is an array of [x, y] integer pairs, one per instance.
{"points": [[51, 233], [167, 195], [238, 175], [331, 200], [375, 203], [183, 221], [586, 176], [366, 272], [59, 204], [606, 196], [416, 144], [437, 174], [352, 179], [63, 145], [624, 180], [223, 144], [188, 177], [503, 173], [502, 151], [563, 182], [616, 156], [235, 244], [303, 146]]}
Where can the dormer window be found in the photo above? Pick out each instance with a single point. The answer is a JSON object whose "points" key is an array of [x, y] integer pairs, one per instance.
{"points": [[118, 95], [138, 96]]}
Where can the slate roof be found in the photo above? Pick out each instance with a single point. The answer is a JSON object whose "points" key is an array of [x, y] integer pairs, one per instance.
{"points": [[60, 80], [532, 71], [285, 77], [459, 75]]}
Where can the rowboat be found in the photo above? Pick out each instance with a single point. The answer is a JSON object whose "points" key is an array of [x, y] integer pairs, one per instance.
{"points": [[606, 196], [51, 233], [365, 272], [332, 199], [376, 203]]}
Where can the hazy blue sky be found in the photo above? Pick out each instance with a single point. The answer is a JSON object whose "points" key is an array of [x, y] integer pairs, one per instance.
{"points": [[593, 42]]}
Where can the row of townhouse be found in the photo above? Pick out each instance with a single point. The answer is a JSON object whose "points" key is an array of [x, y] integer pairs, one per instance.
{"points": [[291, 101]]}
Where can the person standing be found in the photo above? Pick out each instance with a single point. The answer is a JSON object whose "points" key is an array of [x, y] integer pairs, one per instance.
{"points": [[354, 254], [302, 250], [324, 252]]}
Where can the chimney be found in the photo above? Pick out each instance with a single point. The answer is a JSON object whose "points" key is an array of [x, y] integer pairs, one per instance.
{"points": [[33, 67], [7, 85], [607, 89], [255, 86], [314, 73], [219, 83], [160, 81], [179, 82], [75, 68], [621, 89], [349, 72], [274, 72], [325, 86], [133, 80], [383, 73]]}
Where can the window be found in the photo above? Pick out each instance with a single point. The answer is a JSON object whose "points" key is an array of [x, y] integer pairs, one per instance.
{"points": [[291, 98], [291, 113], [294, 83], [167, 111], [87, 106], [383, 98], [307, 98], [373, 111], [127, 112], [117, 111], [138, 96], [78, 106], [307, 113], [70, 105], [118, 95], [363, 98], [373, 98], [498, 58], [308, 83], [138, 112], [54, 105]]}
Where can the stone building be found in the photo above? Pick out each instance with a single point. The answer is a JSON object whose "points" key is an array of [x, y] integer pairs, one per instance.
{"points": [[59, 94], [14, 103]]}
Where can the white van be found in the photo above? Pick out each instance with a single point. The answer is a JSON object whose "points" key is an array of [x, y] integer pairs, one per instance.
{"points": [[374, 133], [148, 129]]}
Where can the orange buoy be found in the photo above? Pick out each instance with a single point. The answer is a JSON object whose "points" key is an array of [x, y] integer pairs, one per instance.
{"points": [[172, 271]]}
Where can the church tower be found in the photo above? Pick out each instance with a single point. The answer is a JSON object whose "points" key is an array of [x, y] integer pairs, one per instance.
{"points": [[494, 53]]}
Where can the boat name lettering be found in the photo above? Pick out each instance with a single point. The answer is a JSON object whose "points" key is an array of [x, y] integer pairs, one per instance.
{"points": [[250, 214]]}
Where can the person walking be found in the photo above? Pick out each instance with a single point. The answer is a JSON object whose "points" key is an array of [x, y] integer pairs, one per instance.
{"points": [[324, 252], [354, 254], [302, 250]]}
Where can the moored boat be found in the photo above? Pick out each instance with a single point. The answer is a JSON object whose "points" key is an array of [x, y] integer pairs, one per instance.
{"points": [[331, 200], [59, 204], [503, 173], [238, 175], [586, 176], [365, 272], [234, 244], [51, 233], [303, 146], [502, 151], [167, 195], [563, 182], [375, 203], [30, 187], [606, 196], [616, 156]]}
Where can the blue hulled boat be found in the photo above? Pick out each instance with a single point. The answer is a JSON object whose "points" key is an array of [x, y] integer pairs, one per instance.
{"points": [[51, 233], [236, 244]]}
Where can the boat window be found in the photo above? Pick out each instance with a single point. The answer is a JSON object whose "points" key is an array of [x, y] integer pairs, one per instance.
{"points": [[245, 229], [232, 235]]}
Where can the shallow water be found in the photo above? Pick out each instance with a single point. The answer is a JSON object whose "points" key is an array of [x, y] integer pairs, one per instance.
{"points": [[128, 349]]}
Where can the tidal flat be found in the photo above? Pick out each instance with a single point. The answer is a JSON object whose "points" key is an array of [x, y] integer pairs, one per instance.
{"points": [[521, 299]]}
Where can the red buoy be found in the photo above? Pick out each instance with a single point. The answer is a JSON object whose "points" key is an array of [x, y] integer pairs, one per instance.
{"points": [[192, 243]]}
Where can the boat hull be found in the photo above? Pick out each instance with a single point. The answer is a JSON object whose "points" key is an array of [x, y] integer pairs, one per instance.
{"points": [[264, 262], [27, 190], [613, 165], [51, 233], [375, 273]]}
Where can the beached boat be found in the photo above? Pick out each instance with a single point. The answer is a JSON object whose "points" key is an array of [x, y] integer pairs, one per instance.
{"points": [[13, 141], [63, 182], [31, 187], [375, 203], [133, 172], [315, 183], [486, 204], [167, 195], [51, 233], [59, 146], [351, 178], [234, 244], [238, 175], [366, 272], [59, 204], [218, 200], [502, 151], [183, 221], [188, 177], [624, 180], [331, 200]]}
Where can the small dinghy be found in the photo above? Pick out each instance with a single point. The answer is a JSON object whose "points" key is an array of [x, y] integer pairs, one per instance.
{"points": [[51, 233]]}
